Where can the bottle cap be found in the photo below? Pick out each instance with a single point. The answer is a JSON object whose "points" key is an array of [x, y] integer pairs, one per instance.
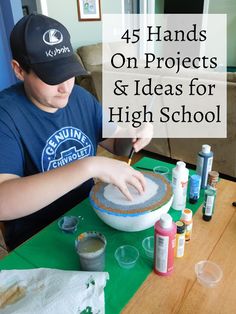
{"points": [[210, 191], [206, 148], [195, 177], [180, 226], [214, 174], [180, 164], [213, 177], [187, 215], [166, 221]]}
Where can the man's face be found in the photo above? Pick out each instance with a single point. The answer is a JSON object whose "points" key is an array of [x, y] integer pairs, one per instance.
{"points": [[49, 98]]}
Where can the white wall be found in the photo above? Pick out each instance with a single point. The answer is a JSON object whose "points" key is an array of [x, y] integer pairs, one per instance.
{"points": [[82, 33], [228, 7]]}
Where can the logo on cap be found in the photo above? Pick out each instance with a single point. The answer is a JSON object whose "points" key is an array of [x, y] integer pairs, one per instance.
{"points": [[52, 37]]}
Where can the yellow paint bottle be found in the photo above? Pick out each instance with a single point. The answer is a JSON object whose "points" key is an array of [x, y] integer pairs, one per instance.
{"points": [[180, 239]]}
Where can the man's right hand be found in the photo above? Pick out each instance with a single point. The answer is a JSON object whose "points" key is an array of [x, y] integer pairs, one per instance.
{"points": [[118, 173]]}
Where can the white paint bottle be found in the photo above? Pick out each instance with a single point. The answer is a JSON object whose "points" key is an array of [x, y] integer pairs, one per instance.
{"points": [[180, 184]]}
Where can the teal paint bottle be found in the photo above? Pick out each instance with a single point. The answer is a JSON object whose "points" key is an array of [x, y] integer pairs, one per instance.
{"points": [[209, 204], [204, 164]]}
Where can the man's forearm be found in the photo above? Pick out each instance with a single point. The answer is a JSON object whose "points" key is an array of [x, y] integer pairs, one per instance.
{"points": [[22, 196]]}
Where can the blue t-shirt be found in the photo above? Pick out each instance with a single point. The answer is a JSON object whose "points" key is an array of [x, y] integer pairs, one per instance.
{"points": [[33, 141]]}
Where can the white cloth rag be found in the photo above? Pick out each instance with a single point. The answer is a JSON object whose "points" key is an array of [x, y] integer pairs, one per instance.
{"points": [[52, 291]]}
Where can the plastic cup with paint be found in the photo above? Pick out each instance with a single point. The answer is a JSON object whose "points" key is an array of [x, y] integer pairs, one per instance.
{"points": [[90, 247], [68, 223], [163, 171]]}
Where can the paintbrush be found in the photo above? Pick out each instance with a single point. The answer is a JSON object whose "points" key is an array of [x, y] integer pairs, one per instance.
{"points": [[131, 156], [144, 168]]}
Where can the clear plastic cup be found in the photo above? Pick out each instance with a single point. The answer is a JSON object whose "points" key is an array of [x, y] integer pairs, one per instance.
{"points": [[148, 246], [208, 273], [163, 171], [126, 256]]}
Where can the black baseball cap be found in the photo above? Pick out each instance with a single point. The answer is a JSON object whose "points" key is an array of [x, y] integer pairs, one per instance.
{"points": [[44, 44]]}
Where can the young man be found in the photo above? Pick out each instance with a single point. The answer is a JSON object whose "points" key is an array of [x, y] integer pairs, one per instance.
{"points": [[49, 132]]}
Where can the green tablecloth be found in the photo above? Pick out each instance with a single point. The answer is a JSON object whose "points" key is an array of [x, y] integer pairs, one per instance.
{"points": [[14, 261], [55, 249]]}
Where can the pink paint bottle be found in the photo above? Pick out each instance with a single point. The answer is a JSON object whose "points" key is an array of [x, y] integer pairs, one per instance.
{"points": [[165, 232]]}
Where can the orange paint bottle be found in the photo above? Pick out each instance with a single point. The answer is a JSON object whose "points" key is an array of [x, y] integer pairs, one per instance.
{"points": [[187, 218]]}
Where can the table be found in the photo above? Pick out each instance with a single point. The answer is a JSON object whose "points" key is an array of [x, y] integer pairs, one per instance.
{"points": [[179, 293], [14, 261]]}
